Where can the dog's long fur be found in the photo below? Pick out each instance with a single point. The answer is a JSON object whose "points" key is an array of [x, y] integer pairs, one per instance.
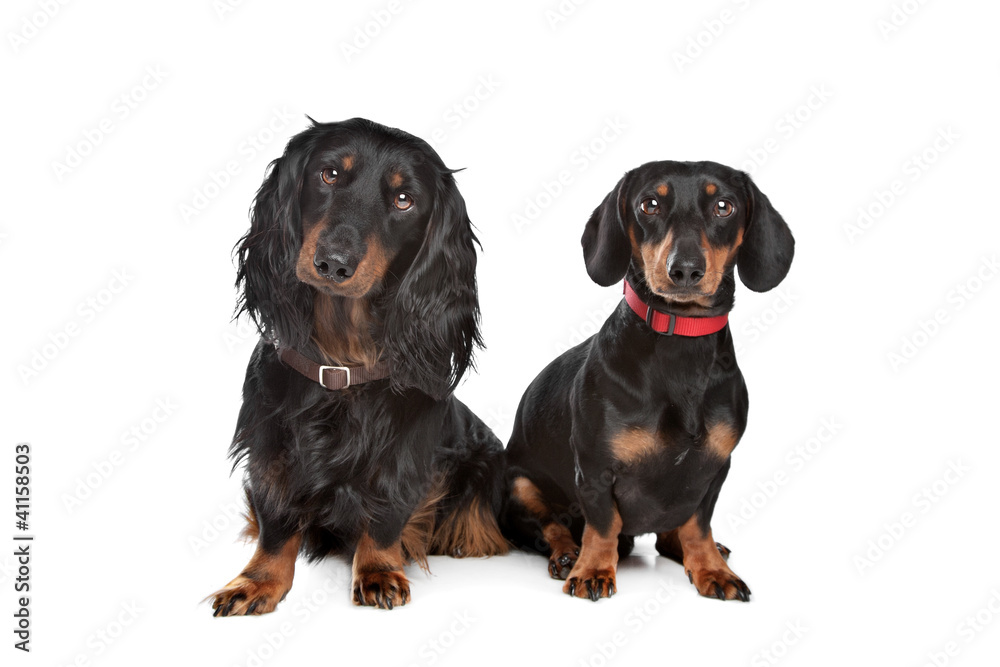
{"points": [[631, 431], [391, 470]]}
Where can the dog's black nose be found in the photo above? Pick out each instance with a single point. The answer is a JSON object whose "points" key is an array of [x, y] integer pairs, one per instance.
{"points": [[686, 272], [333, 266]]}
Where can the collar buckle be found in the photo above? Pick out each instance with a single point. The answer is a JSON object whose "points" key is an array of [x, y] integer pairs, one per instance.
{"points": [[671, 321], [347, 372]]}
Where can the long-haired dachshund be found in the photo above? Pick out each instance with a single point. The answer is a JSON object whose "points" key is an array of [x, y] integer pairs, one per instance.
{"points": [[359, 272], [631, 431]]}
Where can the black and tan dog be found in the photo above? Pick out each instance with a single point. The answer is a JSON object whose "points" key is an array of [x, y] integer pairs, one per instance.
{"points": [[359, 269], [631, 431]]}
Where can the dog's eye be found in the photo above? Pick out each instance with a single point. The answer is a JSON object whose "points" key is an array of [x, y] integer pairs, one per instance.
{"points": [[650, 206], [403, 201], [723, 208], [329, 176]]}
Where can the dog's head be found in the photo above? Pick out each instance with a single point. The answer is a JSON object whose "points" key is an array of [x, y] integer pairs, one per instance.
{"points": [[681, 228], [358, 211]]}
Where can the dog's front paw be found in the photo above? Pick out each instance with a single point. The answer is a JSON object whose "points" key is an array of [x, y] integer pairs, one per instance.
{"points": [[384, 590], [593, 583], [244, 596], [721, 583]]}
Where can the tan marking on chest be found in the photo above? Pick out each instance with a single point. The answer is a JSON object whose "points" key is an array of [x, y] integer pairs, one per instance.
{"points": [[721, 439], [634, 444]]}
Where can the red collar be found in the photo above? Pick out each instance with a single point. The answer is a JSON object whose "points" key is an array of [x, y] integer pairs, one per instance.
{"points": [[673, 325]]}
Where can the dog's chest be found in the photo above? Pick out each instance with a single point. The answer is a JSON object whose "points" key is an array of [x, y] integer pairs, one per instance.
{"points": [[341, 442], [660, 478]]}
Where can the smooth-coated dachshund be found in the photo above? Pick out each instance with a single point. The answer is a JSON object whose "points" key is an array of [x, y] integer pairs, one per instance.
{"points": [[359, 272], [631, 432]]}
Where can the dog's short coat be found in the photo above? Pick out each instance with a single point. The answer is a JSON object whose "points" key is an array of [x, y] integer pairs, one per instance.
{"points": [[631, 431]]}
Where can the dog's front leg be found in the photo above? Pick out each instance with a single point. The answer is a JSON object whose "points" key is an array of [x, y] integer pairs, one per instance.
{"points": [[703, 558], [267, 578], [377, 578], [593, 575]]}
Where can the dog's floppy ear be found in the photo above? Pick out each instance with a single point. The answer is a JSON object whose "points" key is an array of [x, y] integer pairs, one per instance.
{"points": [[432, 326], [606, 248], [766, 253], [270, 293]]}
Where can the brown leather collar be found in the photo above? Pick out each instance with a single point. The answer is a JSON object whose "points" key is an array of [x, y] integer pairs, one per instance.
{"points": [[333, 377]]}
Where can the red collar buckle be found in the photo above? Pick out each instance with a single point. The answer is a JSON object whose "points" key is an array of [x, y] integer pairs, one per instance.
{"points": [[671, 321]]}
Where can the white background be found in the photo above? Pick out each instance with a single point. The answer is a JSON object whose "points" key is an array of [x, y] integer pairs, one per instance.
{"points": [[132, 532]]}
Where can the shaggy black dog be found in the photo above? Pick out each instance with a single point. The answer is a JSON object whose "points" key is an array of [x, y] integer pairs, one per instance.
{"points": [[359, 271]]}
